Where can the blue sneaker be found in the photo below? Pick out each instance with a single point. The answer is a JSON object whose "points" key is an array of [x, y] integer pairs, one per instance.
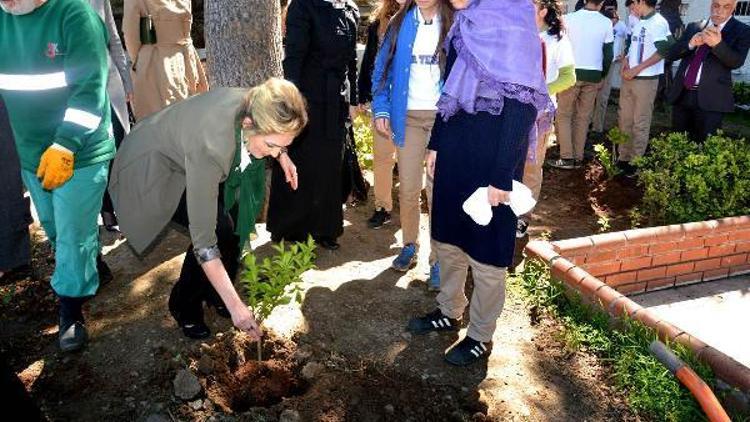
{"points": [[433, 284], [406, 258]]}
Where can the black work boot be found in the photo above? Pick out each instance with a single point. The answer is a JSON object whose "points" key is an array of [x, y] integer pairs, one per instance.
{"points": [[72, 333]]}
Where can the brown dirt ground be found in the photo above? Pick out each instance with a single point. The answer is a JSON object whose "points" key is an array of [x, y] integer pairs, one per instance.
{"points": [[351, 323]]}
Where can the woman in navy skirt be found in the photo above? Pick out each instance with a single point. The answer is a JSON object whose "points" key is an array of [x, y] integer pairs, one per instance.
{"points": [[493, 92]]}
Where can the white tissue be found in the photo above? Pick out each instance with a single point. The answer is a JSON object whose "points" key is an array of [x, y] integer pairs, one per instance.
{"points": [[478, 207]]}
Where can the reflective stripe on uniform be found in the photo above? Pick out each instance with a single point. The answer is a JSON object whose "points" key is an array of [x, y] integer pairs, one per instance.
{"points": [[82, 118], [39, 82]]}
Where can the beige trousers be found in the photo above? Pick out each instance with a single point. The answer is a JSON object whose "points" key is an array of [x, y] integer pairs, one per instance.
{"points": [[533, 172], [574, 109], [602, 99], [487, 300], [636, 110], [384, 157], [411, 173]]}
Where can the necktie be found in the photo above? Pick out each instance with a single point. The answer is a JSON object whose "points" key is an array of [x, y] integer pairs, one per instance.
{"points": [[544, 59], [691, 76]]}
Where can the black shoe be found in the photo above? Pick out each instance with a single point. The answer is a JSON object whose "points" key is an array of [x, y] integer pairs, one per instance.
{"points": [[379, 218], [434, 321], [105, 274], [72, 333], [195, 327], [327, 243], [522, 228], [196, 330], [110, 222], [467, 351]]}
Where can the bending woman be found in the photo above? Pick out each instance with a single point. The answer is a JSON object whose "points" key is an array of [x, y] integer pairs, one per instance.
{"points": [[488, 107], [198, 163]]}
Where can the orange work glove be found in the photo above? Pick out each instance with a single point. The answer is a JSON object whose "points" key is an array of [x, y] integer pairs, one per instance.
{"points": [[55, 167]]}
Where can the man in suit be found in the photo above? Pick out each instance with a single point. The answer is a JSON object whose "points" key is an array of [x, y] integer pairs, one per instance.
{"points": [[702, 89]]}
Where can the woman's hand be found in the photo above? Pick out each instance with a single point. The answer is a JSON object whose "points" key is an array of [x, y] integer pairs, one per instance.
{"points": [[497, 196], [290, 170], [244, 320], [383, 125], [430, 159]]}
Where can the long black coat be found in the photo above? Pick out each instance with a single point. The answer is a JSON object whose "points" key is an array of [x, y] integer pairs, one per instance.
{"points": [[14, 207], [715, 85], [321, 59]]}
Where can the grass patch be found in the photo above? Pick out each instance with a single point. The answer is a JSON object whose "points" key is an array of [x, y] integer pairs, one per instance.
{"points": [[651, 390]]}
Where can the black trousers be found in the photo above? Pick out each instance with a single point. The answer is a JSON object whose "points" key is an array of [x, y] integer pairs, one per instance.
{"points": [[119, 133], [193, 287], [687, 116]]}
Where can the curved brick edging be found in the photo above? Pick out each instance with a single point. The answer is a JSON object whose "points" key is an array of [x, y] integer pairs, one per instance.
{"points": [[617, 305]]}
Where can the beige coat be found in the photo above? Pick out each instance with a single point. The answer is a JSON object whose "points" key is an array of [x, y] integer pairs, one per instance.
{"points": [[186, 147], [170, 70]]}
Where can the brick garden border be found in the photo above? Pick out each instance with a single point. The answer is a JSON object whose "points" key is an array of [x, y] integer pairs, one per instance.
{"points": [[605, 268]]}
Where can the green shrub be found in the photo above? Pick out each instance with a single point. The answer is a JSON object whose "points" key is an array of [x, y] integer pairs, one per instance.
{"points": [[685, 181], [363, 140], [651, 390], [276, 281], [607, 157], [741, 91]]}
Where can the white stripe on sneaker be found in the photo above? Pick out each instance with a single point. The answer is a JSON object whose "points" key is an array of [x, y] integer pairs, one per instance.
{"points": [[440, 323], [483, 347], [473, 352], [447, 322], [434, 324]]}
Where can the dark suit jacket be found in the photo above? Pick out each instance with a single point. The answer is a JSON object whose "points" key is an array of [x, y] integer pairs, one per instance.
{"points": [[715, 85]]}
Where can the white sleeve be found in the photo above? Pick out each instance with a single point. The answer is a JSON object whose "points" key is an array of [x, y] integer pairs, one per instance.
{"points": [[610, 37], [565, 55]]}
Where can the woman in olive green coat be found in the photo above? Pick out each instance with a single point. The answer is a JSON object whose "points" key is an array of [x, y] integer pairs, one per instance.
{"points": [[198, 163]]}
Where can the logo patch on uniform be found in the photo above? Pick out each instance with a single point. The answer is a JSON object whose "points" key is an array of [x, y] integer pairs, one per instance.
{"points": [[52, 50]]}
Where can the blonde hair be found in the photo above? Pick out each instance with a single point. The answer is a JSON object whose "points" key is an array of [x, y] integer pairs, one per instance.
{"points": [[275, 106]]}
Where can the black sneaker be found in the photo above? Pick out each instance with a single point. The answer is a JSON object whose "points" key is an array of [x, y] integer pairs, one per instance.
{"points": [[467, 351], [380, 218], [562, 163], [522, 228], [434, 321], [72, 333]]}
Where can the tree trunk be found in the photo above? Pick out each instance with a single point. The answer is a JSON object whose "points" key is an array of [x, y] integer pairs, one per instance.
{"points": [[243, 41]]}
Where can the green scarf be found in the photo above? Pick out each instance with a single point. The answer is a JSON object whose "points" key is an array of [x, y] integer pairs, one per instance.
{"points": [[249, 187]]}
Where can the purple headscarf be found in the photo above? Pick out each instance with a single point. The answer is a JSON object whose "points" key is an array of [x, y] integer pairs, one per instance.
{"points": [[499, 55]]}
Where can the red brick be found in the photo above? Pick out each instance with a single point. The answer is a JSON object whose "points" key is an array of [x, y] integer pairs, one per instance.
{"points": [[652, 273], [673, 232], [575, 275], [667, 331], [694, 254], [640, 236], [609, 240], [631, 251], [632, 288], [559, 267], [740, 235], [610, 255], [715, 274], [661, 248], [647, 317], [621, 278], [739, 270], [682, 268], [731, 261], [661, 283], [715, 240], [589, 285], [742, 247], [541, 249], [577, 259], [606, 295], [669, 258], [635, 263], [733, 223], [604, 268], [692, 243], [688, 278], [699, 228], [722, 250], [579, 244], [708, 264]]}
